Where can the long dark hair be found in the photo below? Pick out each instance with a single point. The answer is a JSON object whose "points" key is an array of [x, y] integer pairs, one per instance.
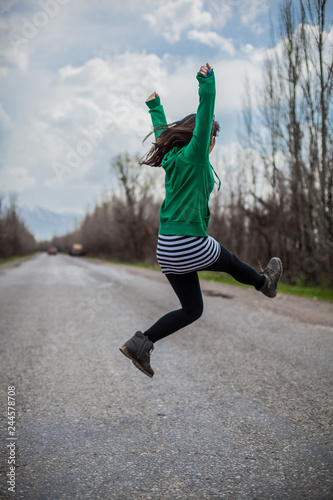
{"points": [[177, 134]]}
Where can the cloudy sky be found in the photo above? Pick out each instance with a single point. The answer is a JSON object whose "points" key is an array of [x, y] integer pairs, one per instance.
{"points": [[74, 76]]}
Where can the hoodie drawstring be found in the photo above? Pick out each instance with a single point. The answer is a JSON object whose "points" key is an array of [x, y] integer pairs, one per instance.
{"points": [[219, 183]]}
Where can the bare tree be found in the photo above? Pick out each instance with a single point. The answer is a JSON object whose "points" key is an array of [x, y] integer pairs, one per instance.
{"points": [[296, 142], [125, 224], [133, 208], [15, 238]]}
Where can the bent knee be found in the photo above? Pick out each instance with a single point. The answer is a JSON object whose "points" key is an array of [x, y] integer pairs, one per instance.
{"points": [[199, 312], [194, 313]]}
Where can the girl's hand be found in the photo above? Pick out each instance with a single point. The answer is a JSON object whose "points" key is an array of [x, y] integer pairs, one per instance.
{"points": [[204, 69], [152, 96]]}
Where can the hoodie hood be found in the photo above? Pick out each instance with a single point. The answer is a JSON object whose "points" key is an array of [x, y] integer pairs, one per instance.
{"points": [[170, 158]]}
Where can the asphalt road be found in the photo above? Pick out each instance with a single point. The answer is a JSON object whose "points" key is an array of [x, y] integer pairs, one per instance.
{"points": [[240, 406]]}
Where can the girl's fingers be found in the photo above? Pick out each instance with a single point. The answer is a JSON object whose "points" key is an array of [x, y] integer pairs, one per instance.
{"points": [[152, 96], [204, 69]]}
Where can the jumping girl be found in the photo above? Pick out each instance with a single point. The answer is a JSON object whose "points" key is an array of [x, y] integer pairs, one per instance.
{"points": [[182, 148]]}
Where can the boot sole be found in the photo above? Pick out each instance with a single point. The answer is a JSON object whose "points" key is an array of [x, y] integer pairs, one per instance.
{"points": [[280, 261], [128, 355]]}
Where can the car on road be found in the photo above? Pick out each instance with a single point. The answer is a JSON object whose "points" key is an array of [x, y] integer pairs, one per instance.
{"points": [[52, 251], [76, 249]]}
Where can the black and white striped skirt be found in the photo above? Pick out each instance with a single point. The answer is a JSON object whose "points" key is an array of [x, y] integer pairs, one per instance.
{"points": [[183, 254]]}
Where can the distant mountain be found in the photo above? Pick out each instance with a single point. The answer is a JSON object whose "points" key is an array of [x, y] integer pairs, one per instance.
{"points": [[44, 224]]}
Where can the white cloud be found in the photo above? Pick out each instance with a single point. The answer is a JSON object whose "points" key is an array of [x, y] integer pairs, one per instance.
{"points": [[75, 122], [5, 121], [247, 48], [230, 77], [14, 49], [173, 17], [84, 69], [249, 10], [212, 39], [16, 179], [221, 12], [33, 25], [59, 129]]}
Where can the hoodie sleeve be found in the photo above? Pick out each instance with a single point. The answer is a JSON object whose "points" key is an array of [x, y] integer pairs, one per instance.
{"points": [[197, 151], [157, 115]]}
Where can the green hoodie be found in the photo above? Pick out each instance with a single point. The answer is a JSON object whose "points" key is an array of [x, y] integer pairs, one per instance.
{"points": [[189, 178]]}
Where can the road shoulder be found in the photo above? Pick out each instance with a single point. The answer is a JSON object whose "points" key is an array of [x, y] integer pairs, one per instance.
{"points": [[305, 310]]}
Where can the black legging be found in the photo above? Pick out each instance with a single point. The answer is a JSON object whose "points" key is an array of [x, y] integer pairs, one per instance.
{"points": [[187, 288]]}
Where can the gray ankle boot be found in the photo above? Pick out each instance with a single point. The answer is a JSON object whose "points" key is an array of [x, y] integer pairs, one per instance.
{"points": [[272, 273], [138, 349]]}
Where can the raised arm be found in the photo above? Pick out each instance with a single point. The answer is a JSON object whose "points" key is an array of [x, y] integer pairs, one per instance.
{"points": [[197, 150], [156, 112]]}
